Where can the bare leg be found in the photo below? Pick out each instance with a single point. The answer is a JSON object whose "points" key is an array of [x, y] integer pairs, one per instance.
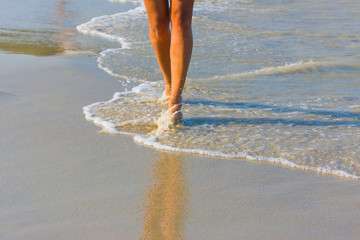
{"points": [[159, 31], [173, 50], [180, 49]]}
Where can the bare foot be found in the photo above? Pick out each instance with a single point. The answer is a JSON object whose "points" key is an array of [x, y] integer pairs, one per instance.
{"points": [[174, 104], [177, 118]]}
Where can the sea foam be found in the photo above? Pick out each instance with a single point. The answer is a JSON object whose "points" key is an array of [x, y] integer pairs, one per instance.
{"points": [[297, 110], [152, 136]]}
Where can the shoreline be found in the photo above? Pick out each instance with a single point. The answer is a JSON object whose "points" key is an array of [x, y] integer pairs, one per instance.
{"points": [[61, 179], [93, 27]]}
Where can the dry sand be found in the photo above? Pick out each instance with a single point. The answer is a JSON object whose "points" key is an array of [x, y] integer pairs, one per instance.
{"points": [[62, 179]]}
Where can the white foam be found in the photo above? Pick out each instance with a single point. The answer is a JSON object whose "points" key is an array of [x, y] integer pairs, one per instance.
{"points": [[107, 126], [354, 106], [96, 24], [163, 123], [86, 28], [300, 66], [108, 70], [101, 65], [143, 87], [96, 27], [151, 141]]}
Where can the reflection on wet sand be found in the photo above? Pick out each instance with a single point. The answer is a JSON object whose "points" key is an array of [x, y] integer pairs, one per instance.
{"points": [[64, 36], [40, 42], [164, 207]]}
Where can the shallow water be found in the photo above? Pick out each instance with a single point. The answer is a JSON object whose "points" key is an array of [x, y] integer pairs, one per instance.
{"points": [[46, 28], [268, 82]]}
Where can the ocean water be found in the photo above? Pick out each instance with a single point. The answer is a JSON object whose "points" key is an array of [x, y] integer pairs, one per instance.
{"points": [[268, 81], [48, 27]]}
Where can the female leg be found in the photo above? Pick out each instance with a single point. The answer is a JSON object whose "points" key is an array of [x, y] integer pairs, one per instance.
{"points": [[180, 49], [173, 50], [159, 31]]}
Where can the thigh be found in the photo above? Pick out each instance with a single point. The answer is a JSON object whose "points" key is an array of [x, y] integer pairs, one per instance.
{"points": [[157, 11]]}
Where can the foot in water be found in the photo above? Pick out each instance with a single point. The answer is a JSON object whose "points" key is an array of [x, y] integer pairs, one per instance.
{"points": [[168, 122], [177, 118], [175, 104]]}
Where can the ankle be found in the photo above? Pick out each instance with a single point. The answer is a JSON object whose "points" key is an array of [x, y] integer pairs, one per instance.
{"points": [[175, 99], [167, 90], [174, 107]]}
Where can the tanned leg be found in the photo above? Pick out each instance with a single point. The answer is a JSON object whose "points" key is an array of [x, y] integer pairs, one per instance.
{"points": [[180, 49], [159, 31]]}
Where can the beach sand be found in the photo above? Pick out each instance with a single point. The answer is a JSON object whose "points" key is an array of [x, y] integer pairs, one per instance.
{"points": [[62, 179]]}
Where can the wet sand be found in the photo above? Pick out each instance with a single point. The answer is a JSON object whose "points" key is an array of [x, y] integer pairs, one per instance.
{"points": [[62, 179]]}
